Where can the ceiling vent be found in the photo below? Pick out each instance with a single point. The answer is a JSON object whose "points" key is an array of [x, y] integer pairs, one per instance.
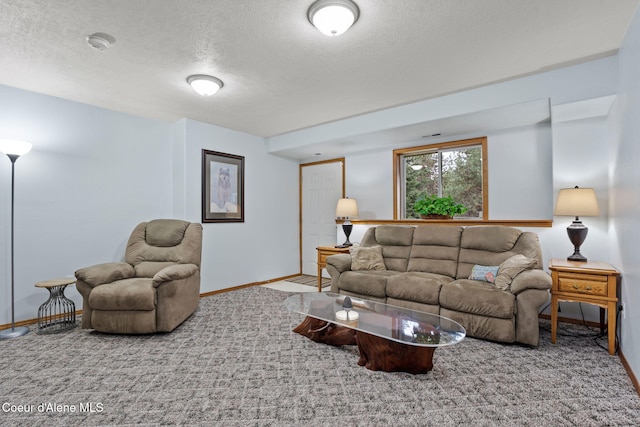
{"points": [[100, 41]]}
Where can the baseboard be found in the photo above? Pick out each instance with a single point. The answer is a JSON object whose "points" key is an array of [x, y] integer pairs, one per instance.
{"points": [[627, 368], [206, 294], [248, 285], [32, 321]]}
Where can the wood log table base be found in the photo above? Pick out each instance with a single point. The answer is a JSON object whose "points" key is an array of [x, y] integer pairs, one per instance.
{"points": [[376, 354], [324, 332]]}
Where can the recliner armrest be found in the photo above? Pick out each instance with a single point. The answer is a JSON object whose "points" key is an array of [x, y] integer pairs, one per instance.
{"points": [[530, 279], [341, 262], [174, 272], [105, 273]]}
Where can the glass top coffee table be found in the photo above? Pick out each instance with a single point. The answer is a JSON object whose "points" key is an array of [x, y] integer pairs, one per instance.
{"points": [[389, 338]]}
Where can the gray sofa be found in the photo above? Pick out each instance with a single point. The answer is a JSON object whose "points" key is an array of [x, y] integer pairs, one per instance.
{"points": [[427, 268]]}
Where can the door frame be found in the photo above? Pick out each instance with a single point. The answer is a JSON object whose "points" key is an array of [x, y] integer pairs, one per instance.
{"points": [[302, 165]]}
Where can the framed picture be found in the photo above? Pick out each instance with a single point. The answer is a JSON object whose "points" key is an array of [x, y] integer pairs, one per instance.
{"points": [[222, 187]]}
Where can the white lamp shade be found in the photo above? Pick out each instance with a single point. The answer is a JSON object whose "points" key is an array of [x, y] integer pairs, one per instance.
{"points": [[204, 85], [14, 147], [577, 202], [347, 208], [333, 17]]}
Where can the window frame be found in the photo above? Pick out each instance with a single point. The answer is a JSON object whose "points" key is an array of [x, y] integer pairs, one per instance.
{"points": [[398, 170]]}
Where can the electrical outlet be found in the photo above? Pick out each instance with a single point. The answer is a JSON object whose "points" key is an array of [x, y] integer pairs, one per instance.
{"points": [[624, 316]]}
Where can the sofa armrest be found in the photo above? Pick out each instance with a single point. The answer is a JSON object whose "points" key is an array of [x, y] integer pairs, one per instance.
{"points": [[341, 262], [105, 273], [174, 272], [531, 279]]}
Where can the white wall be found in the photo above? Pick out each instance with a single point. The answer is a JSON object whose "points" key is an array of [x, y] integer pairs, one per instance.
{"points": [[520, 175], [369, 180], [580, 158], [266, 244], [93, 174], [624, 204]]}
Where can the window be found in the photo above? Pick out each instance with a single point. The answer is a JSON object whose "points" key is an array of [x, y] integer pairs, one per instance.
{"points": [[457, 169]]}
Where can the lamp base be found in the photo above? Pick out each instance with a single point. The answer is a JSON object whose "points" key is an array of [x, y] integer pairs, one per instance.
{"points": [[346, 228], [577, 256], [6, 334], [577, 233]]}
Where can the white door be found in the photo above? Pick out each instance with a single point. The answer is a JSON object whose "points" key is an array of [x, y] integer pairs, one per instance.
{"points": [[322, 186]]}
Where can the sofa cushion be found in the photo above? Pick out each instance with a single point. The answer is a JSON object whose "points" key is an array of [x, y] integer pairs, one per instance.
{"points": [[128, 294], [165, 232], [150, 268], [485, 245], [494, 238], [367, 258], [510, 268], [396, 245], [471, 296], [415, 286], [490, 328], [372, 283], [435, 249], [393, 235]]}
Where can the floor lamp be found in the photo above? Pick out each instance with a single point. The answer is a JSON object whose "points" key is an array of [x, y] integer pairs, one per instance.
{"points": [[13, 149]]}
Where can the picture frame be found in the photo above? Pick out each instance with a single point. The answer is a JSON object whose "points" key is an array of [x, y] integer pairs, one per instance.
{"points": [[222, 187]]}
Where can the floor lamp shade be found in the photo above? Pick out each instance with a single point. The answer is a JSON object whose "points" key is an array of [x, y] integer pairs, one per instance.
{"points": [[13, 149], [347, 208], [577, 202]]}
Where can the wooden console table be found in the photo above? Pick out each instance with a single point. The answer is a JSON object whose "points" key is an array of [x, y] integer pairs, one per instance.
{"points": [[323, 253], [592, 282]]}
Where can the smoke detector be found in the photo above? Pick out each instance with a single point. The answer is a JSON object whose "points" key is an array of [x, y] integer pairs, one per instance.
{"points": [[100, 41]]}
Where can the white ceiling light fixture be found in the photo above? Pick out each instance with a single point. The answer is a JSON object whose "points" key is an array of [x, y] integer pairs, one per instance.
{"points": [[333, 17], [205, 85], [100, 41]]}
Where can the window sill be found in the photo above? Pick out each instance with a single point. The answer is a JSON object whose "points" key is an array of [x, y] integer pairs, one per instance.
{"points": [[458, 222]]}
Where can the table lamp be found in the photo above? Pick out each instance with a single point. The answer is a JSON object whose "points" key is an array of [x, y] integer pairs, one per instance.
{"points": [[13, 149], [347, 208], [577, 202]]}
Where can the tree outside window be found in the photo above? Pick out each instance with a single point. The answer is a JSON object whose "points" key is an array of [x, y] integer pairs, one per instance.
{"points": [[452, 169]]}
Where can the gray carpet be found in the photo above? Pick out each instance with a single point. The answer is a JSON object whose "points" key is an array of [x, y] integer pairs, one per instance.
{"points": [[237, 363]]}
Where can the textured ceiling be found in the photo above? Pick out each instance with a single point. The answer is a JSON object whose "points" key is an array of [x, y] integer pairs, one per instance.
{"points": [[280, 73]]}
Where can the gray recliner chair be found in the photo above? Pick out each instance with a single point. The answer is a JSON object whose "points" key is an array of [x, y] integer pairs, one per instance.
{"points": [[154, 290]]}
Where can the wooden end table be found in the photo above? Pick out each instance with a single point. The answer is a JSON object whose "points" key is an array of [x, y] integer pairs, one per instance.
{"points": [[323, 253], [592, 282]]}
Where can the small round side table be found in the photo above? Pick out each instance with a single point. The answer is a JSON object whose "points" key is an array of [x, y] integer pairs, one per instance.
{"points": [[58, 313]]}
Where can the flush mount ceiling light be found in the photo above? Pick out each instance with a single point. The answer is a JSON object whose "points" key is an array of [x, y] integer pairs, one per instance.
{"points": [[333, 17], [100, 41], [204, 85]]}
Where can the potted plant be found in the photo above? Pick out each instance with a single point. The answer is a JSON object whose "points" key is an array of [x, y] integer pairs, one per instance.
{"points": [[434, 207]]}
